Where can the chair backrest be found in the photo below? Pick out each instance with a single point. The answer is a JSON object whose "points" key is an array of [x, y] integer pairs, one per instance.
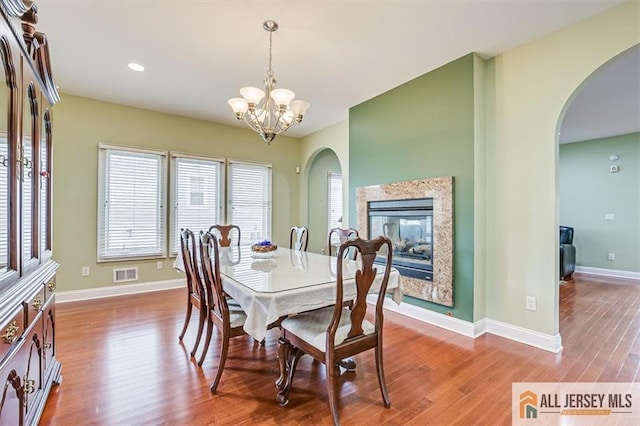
{"points": [[566, 235], [226, 234], [190, 260], [364, 277], [343, 235], [210, 255], [299, 238]]}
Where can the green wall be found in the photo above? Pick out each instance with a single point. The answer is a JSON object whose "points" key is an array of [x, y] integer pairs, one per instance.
{"points": [[421, 129], [326, 161], [588, 190], [80, 124]]}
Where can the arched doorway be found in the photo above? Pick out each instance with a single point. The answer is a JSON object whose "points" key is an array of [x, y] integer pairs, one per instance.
{"points": [[599, 182], [324, 178]]}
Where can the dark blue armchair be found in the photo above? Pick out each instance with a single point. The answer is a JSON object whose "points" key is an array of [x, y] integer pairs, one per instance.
{"points": [[567, 253]]}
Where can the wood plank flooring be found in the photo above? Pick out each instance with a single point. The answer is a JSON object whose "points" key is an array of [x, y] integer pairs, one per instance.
{"points": [[123, 365]]}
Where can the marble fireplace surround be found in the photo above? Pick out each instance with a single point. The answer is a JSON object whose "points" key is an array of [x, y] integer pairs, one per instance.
{"points": [[439, 291]]}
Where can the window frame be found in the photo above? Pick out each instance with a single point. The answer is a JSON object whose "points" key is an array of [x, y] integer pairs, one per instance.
{"points": [[246, 238], [331, 177], [162, 197], [174, 237]]}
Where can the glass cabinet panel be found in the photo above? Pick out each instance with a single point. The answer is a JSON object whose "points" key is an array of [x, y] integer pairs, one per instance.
{"points": [[5, 164], [45, 185]]}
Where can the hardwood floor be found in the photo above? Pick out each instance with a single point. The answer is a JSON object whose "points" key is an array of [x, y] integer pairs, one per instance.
{"points": [[123, 365]]}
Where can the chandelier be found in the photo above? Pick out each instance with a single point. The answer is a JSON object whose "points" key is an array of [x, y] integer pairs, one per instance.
{"points": [[270, 111]]}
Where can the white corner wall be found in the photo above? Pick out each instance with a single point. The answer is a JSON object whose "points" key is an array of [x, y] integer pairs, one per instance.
{"points": [[531, 86]]}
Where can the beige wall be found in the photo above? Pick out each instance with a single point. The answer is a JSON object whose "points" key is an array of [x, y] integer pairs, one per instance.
{"points": [[79, 124], [532, 85]]}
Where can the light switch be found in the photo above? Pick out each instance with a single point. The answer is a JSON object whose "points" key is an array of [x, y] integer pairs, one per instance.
{"points": [[609, 216]]}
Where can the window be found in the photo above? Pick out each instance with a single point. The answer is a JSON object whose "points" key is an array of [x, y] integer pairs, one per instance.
{"points": [[335, 203], [131, 210], [196, 194], [249, 200]]}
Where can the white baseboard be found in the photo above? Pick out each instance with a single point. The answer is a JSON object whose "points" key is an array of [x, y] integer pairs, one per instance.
{"points": [[443, 321], [608, 272], [473, 330], [117, 290], [534, 338]]}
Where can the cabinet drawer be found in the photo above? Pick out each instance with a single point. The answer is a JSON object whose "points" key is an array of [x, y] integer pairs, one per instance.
{"points": [[33, 305], [49, 288], [11, 330]]}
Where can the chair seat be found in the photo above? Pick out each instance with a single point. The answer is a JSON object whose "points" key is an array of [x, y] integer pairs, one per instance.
{"points": [[233, 304], [237, 318], [312, 326]]}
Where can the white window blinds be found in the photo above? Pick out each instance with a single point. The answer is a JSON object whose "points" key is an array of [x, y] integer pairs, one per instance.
{"points": [[249, 200], [131, 211], [44, 196], [196, 195], [335, 203], [27, 201]]}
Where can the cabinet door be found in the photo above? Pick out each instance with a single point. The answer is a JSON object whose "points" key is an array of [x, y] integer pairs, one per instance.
{"points": [[32, 379], [11, 399], [48, 337], [44, 178], [8, 257]]}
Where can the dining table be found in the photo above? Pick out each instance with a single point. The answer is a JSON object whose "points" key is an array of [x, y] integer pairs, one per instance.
{"points": [[270, 286]]}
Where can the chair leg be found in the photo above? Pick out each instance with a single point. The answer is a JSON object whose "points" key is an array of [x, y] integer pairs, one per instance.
{"points": [[207, 341], [381, 380], [187, 318], [223, 360], [201, 320], [332, 373], [293, 356]]}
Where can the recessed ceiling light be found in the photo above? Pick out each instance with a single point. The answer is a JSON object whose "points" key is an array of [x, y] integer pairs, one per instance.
{"points": [[135, 67]]}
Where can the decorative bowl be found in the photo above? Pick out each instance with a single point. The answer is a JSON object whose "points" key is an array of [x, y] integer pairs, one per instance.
{"points": [[264, 247]]}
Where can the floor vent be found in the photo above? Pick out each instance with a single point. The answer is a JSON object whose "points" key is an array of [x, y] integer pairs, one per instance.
{"points": [[122, 275]]}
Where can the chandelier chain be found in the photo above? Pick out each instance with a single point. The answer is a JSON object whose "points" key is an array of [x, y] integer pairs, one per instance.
{"points": [[270, 71]]}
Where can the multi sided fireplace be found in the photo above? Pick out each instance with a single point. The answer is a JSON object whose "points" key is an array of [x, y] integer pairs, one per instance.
{"points": [[409, 226]]}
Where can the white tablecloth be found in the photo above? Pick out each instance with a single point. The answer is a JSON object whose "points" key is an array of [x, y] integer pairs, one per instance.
{"points": [[290, 282]]}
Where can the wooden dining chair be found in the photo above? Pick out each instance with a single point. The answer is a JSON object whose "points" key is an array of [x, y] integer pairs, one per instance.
{"points": [[332, 334], [228, 321], [299, 238], [226, 234], [343, 235], [196, 296]]}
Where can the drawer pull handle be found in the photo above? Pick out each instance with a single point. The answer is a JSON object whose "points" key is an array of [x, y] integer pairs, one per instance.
{"points": [[11, 333], [29, 385], [37, 303], [51, 285]]}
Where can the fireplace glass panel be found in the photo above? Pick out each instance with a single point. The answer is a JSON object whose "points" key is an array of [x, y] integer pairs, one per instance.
{"points": [[411, 236]]}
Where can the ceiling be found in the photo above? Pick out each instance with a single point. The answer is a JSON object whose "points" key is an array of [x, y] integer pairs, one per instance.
{"points": [[608, 102], [334, 54]]}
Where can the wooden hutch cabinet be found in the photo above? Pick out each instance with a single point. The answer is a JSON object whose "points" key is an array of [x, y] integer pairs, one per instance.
{"points": [[28, 365]]}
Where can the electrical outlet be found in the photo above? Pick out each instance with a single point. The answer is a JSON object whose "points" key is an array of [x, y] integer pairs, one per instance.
{"points": [[85, 271], [531, 303], [159, 264], [611, 256]]}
